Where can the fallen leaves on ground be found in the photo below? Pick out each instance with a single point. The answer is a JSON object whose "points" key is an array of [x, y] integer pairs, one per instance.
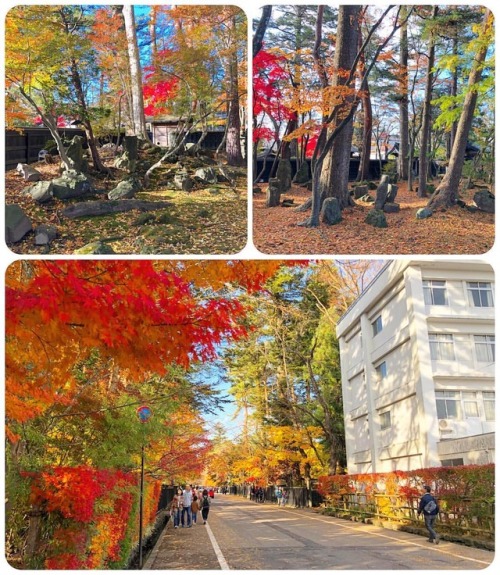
{"points": [[451, 231], [209, 220]]}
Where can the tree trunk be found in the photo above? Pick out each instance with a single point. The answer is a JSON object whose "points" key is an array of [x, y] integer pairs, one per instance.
{"points": [[454, 91], [364, 163], [233, 137], [423, 166], [447, 191], [261, 30], [135, 73], [403, 102], [334, 175]]}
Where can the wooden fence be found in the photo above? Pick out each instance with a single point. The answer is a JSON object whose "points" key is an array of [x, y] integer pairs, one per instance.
{"points": [[23, 147]]}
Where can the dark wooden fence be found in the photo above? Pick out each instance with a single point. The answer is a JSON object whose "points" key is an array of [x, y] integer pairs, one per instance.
{"points": [[23, 147], [296, 496]]}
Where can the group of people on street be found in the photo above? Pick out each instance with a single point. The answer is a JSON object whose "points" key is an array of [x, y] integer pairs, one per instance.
{"points": [[186, 504], [258, 494]]}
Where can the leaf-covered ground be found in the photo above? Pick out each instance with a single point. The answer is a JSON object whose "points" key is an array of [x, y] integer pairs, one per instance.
{"points": [[454, 231], [208, 220]]}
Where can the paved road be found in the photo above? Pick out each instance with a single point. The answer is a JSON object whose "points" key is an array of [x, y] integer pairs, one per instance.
{"points": [[244, 535]]}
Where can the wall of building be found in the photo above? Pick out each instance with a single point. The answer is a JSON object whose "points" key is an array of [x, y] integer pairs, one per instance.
{"points": [[389, 379]]}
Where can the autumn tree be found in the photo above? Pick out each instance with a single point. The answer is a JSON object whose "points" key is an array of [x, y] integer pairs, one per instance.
{"points": [[447, 192]]}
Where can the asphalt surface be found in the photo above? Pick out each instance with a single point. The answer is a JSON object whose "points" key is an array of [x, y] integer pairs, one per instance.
{"points": [[243, 535]]}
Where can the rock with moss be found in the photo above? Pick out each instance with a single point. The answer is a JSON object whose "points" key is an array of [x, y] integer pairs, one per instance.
{"points": [[424, 213], [331, 213], [376, 218], [17, 223], [95, 248], [71, 184]]}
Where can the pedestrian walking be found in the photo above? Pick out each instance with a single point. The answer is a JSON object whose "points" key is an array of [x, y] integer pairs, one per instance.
{"points": [[176, 508], [195, 507], [187, 499], [205, 506], [430, 509], [279, 495], [284, 497]]}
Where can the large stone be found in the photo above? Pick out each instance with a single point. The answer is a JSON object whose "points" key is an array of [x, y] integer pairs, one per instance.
{"points": [[284, 175], [95, 248], [392, 193], [302, 176], [126, 189], [367, 199], [331, 213], [360, 191], [17, 223], [29, 173], [75, 154], [424, 213], [41, 192], [45, 234], [183, 182], [206, 175], [382, 191], [391, 208], [273, 193], [71, 185], [128, 160], [485, 201], [376, 218]]}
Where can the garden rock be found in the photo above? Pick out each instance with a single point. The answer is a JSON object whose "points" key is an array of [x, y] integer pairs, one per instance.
{"points": [[126, 189], [284, 175], [183, 182], [302, 176], [273, 193], [376, 218], [29, 173], [75, 154], [485, 201], [41, 192], [382, 191], [128, 160], [95, 248], [391, 208], [330, 212], [360, 191], [45, 234], [17, 223], [391, 193], [71, 184], [424, 213], [206, 175]]}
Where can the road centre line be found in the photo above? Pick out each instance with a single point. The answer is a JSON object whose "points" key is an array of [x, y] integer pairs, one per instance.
{"points": [[220, 557], [360, 529]]}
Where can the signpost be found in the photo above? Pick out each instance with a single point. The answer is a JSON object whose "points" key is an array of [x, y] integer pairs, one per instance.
{"points": [[144, 413]]}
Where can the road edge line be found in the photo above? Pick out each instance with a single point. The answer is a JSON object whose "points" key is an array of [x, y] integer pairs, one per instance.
{"points": [[220, 557]]}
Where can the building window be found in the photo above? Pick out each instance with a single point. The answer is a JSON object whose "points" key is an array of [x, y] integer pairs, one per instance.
{"points": [[489, 405], [441, 345], [381, 370], [435, 292], [385, 420], [480, 294], [448, 405], [452, 462], [471, 408], [377, 325], [485, 348]]}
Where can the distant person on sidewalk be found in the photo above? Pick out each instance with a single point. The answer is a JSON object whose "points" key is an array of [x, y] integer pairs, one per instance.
{"points": [[187, 496], [205, 506], [430, 508], [195, 507], [176, 508]]}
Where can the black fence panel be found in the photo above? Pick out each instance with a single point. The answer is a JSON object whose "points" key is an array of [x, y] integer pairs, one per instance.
{"points": [[166, 496], [23, 147]]}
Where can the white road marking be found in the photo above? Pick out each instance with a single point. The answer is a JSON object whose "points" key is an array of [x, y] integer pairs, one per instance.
{"points": [[220, 557]]}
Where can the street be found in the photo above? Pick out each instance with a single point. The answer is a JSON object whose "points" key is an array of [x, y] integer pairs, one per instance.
{"points": [[243, 535]]}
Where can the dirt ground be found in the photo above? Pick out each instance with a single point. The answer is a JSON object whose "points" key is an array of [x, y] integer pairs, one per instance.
{"points": [[207, 220], [452, 231]]}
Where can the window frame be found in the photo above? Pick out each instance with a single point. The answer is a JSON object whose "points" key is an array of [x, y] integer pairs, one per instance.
{"points": [[488, 344], [385, 419], [377, 325], [431, 289], [439, 344], [477, 288]]}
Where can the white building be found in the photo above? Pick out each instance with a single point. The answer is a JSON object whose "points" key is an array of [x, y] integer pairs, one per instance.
{"points": [[417, 353]]}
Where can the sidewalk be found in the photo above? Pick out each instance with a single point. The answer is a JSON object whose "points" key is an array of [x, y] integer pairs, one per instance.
{"points": [[183, 549]]}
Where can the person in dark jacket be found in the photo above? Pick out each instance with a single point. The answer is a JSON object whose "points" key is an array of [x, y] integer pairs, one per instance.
{"points": [[430, 509]]}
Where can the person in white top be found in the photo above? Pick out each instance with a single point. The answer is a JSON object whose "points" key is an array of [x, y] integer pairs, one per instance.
{"points": [[187, 499]]}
